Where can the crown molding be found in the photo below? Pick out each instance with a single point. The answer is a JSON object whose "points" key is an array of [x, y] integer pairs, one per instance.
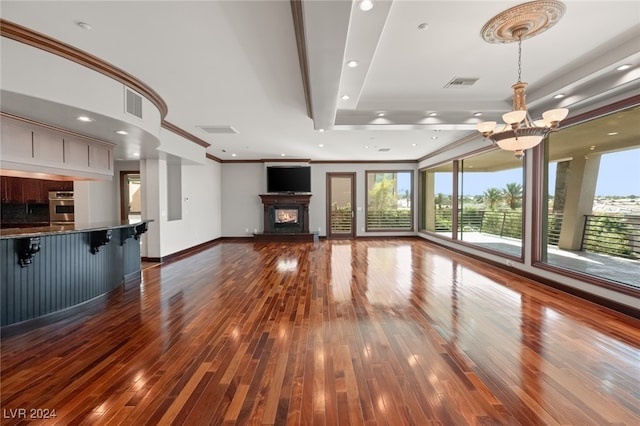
{"points": [[41, 41], [178, 131]]}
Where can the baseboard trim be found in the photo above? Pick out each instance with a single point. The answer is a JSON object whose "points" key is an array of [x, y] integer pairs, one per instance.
{"points": [[183, 253]]}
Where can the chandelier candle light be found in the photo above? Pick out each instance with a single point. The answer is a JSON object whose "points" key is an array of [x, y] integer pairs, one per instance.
{"points": [[520, 132]]}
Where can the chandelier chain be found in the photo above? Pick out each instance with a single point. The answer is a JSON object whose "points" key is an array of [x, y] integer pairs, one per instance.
{"points": [[520, 59]]}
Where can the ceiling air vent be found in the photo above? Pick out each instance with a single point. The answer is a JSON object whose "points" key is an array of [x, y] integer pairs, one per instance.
{"points": [[133, 103], [461, 82], [219, 130], [384, 149]]}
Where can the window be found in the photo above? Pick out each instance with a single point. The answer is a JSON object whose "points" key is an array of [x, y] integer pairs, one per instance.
{"points": [[591, 211], [436, 198], [389, 200], [490, 201]]}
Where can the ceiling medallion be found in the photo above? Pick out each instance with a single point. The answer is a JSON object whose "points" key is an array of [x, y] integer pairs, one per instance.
{"points": [[525, 20]]}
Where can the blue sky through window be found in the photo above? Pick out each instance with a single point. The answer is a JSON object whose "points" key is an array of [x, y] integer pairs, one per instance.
{"points": [[619, 175]]}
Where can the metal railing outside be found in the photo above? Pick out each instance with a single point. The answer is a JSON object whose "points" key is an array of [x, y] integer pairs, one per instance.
{"points": [[611, 234], [615, 235], [389, 219], [554, 225], [341, 221]]}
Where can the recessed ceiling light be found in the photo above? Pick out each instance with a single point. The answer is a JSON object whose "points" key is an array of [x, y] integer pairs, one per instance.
{"points": [[352, 64], [85, 119], [414, 144], [559, 96], [612, 133], [366, 147], [423, 26], [84, 26], [345, 97], [477, 114], [592, 147], [136, 154], [380, 114], [320, 145], [623, 67], [433, 114], [282, 155], [122, 132], [434, 137], [233, 155], [365, 5], [321, 130]]}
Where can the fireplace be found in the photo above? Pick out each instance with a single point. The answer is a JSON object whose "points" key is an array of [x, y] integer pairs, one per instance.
{"points": [[286, 214], [284, 218]]}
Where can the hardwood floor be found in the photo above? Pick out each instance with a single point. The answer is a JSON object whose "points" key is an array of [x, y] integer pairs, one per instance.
{"points": [[359, 332]]}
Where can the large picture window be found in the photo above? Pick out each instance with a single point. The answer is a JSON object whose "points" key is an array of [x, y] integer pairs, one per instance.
{"points": [[488, 211], [491, 194], [389, 200], [591, 215]]}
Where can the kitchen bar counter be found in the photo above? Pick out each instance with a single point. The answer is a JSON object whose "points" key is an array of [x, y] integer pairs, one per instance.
{"points": [[50, 269], [37, 231]]}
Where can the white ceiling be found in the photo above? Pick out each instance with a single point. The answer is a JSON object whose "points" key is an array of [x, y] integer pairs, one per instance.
{"points": [[235, 63]]}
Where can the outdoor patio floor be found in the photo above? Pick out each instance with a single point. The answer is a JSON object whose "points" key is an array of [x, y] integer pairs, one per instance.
{"points": [[618, 269]]}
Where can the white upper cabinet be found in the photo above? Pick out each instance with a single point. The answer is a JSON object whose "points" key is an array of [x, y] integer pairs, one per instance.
{"points": [[16, 142], [48, 147], [29, 147]]}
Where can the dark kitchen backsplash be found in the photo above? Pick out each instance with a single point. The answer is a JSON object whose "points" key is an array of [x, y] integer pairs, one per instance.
{"points": [[24, 213]]}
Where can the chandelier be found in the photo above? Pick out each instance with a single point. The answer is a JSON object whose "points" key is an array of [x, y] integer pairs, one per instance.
{"points": [[520, 132]]}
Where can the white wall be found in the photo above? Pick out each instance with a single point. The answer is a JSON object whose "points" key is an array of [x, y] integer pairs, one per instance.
{"points": [[242, 211], [243, 182], [96, 201], [201, 207], [150, 179], [201, 210]]}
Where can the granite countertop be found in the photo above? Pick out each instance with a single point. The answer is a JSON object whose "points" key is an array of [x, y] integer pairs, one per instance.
{"points": [[39, 231]]}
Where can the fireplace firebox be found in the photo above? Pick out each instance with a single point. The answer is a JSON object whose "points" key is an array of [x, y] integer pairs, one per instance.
{"points": [[285, 218], [286, 215]]}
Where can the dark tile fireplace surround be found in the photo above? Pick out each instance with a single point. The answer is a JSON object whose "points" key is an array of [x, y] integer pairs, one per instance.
{"points": [[286, 217]]}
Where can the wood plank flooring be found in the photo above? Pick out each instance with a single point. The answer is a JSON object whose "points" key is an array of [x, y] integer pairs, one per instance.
{"points": [[366, 332]]}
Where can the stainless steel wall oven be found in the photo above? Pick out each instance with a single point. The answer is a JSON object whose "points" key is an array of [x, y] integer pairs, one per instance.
{"points": [[61, 207]]}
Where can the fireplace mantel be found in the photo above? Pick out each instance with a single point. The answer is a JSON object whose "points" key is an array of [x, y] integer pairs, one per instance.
{"points": [[268, 199], [298, 231]]}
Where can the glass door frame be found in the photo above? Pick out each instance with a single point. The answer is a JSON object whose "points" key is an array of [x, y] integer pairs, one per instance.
{"points": [[352, 177]]}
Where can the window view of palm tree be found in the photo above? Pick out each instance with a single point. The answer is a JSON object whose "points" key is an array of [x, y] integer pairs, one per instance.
{"points": [[492, 197], [389, 205], [592, 220], [490, 202]]}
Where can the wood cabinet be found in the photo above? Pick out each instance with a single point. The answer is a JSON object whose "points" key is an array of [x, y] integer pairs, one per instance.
{"points": [[16, 190], [32, 191], [11, 190], [56, 185]]}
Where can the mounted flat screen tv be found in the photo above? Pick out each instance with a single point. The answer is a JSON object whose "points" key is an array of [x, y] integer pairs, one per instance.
{"points": [[288, 179]]}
